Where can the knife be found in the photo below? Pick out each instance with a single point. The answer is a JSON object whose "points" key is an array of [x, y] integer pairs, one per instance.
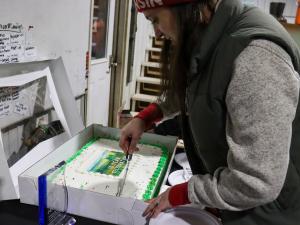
{"points": [[122, 183], [128, 159]]}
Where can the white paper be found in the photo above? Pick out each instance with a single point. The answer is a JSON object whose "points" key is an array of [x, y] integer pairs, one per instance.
{"points": [[4, 47], [5, 109], [21, 108], [16, 44], [30, 52]]}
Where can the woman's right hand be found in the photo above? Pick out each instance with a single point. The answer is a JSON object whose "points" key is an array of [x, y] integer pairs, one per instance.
{"points": [[130, 135]]}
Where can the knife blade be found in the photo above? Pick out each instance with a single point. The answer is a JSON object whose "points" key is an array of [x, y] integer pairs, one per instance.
{"points": [[122, 183]]}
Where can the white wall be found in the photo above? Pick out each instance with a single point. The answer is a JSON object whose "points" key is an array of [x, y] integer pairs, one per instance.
{"points": [[289, 11]]}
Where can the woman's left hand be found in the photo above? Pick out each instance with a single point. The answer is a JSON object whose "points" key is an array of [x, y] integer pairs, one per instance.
{"points": [[157, 205]]}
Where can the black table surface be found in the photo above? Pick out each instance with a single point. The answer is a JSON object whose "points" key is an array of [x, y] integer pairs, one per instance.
{"points": [[15, 213]]}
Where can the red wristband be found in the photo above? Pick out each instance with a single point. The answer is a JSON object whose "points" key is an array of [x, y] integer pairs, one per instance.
{"points": [[178, 194], [150, 115]]}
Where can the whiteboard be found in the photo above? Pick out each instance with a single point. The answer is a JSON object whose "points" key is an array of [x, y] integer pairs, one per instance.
{"points": [[32, 30]]}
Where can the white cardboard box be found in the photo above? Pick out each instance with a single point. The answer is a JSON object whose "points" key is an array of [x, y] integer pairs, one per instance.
{"points": [[64, 104], [117, 210]]}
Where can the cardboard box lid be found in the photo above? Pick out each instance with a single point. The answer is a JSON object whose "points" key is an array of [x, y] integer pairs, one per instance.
{"points": [[57, 96]]}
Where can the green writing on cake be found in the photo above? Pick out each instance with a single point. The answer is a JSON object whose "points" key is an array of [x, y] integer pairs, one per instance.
{"points": [[109, 163]]}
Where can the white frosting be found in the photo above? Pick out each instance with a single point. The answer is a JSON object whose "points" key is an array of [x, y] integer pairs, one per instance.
{"points": [[78, 172]]}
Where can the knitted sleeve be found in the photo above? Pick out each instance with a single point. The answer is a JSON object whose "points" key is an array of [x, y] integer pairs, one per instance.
{"points": [[150, 115]]}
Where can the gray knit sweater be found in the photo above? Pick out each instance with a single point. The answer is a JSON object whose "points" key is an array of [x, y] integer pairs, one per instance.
{"points": [[261, 102]]}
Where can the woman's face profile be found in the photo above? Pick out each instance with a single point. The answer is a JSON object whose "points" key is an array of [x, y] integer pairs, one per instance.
{"points": [[163, 21]]}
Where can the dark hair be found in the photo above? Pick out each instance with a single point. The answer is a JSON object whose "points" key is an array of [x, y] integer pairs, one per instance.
{"points": [[175, 60]]}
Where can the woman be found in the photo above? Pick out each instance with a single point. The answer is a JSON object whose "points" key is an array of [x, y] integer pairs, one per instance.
{"points": [[231, 71]]}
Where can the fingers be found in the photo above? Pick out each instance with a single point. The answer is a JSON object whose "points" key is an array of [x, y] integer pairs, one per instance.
{"points": [[153, 209], [132, 148], [131, 134], [128, 143], [151, 200], [149, 210], [156, 211], [122, 142], [157, 205]]}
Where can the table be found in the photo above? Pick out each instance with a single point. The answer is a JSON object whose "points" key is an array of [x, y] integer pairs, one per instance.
{"points": [[15, 213]]}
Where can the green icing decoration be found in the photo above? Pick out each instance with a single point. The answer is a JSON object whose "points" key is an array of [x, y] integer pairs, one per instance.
{"points": [[90, 142], [151, 189], [153, 179], [146, 197], [155, 174]]}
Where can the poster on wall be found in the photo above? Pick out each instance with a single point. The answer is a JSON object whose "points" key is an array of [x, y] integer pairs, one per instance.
{"points": [[16, 43]]}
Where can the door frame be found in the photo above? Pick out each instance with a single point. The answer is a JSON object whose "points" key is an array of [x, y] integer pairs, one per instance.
{"points": [[119, 58], [95, 64]]}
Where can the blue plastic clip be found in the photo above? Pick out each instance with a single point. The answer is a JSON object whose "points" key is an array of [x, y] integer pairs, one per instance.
{"points": [[42, 189]]}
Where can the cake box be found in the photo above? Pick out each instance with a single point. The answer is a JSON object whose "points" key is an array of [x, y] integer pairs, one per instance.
{"points": [[38, 89], [94, 205]]}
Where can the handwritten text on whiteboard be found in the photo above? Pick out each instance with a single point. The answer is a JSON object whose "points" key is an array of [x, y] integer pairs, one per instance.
{"points": [[13, 44]]}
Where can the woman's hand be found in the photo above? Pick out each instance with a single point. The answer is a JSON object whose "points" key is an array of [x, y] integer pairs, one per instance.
{"points": [[130, 135], [157, 205]]}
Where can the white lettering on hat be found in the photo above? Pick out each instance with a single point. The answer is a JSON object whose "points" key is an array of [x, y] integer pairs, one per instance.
{"points": [[158, 2], [147, 3], [142, 4]]}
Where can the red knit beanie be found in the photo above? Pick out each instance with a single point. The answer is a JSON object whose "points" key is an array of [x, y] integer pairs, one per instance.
{"points": [[143, 5]]}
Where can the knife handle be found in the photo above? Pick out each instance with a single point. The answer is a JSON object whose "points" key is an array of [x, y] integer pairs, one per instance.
{"points": [[128, 156]]}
